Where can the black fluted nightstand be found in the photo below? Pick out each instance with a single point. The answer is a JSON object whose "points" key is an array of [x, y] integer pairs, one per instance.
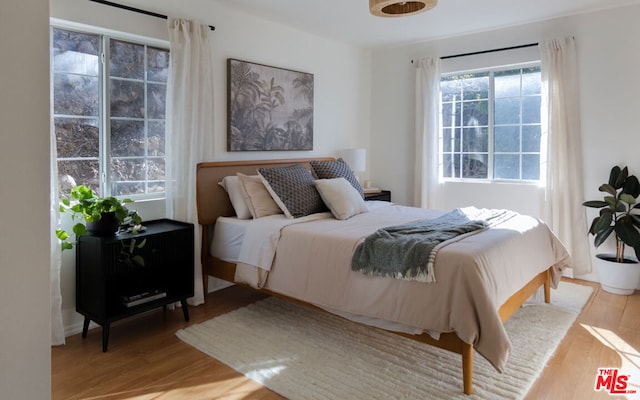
{"points": [[384, 195], [109, 289]]}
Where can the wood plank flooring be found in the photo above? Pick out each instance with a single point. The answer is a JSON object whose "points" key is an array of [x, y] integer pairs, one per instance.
{"points": [[147, 361]]}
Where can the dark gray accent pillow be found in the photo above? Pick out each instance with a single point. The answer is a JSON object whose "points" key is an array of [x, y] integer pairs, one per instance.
{"points": [[293, 189], [336, 169]]}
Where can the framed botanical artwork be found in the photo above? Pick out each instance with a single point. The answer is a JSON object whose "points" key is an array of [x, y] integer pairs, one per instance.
{"points": [[269, 108]]}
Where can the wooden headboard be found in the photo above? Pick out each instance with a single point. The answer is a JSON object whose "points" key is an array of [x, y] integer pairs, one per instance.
{"points": [[212, 200]]}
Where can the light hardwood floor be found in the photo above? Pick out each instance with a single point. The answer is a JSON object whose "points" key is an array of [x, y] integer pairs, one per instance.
{"points": [[147, 361]]}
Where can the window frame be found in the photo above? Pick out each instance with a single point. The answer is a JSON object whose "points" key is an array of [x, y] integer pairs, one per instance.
{"points": [[104, 118], [490, 128]]}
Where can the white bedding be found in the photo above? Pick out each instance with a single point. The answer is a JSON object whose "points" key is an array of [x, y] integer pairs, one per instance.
{"points": [[474, 276], [229, 234]]}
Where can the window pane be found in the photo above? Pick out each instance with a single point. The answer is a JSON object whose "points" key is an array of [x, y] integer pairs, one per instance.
{"points": [[451, 88], [506, 139], [127, 99], [531, 110], [531, 138], [155, 139], [157, 64], [476, 86], [447, 140], [531, 166], [475, 166], [77, 137], [475, 140], [127, 169], [507, 84], [446, 166], [126, 60], [156, 169], [506, 166], [127, 188], [75, 52], [127, 138], [531, 81], [476, 113], [451, 115], [507, 111], [451, 166], [75, 95], [156, 100], [155, 187], [78, 172]]}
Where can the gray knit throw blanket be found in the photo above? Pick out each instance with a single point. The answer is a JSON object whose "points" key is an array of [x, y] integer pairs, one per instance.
{"points": [[404, 251]]}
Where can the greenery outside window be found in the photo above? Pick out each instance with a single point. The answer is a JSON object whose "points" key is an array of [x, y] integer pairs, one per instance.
{"points": [[490, 123], [109, 103]]}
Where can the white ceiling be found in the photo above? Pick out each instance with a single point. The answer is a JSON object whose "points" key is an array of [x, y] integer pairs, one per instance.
{"points": [[350, 21]]}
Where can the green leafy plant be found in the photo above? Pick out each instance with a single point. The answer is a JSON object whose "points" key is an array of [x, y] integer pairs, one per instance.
{"points": [[86, 207], [618, 212]]}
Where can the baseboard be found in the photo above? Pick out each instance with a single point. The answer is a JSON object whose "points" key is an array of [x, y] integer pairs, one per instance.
{"points": [[76, 328]]}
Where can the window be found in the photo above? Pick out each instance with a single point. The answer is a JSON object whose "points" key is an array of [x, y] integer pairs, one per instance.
{"points": [[491, 124], [109, 102]]}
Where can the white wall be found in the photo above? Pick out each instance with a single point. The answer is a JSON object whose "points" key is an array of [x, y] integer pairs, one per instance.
{"points": [[25, 366], [609, 57], [342, 77]]}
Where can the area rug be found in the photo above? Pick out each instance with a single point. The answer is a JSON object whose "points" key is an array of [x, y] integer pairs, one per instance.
{"points": [[303, 353]]}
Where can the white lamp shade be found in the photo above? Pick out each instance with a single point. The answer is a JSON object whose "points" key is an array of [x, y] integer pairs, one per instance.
{"points": [[356, 159]]}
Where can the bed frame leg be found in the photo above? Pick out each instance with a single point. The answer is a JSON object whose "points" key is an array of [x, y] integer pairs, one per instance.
{"points": [[547, 287], [205, 283], [467, 368], [203, 257]]}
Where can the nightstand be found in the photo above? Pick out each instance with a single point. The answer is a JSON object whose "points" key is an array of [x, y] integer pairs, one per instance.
{"points": [[109, 289], [384, 195]]}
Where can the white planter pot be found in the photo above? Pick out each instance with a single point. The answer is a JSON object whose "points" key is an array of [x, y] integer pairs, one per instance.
{"points": [[617, 278]]}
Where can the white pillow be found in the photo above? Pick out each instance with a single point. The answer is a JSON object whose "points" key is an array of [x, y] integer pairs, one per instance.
{"points": [[256, 196], [233, 187], [341, 197]]}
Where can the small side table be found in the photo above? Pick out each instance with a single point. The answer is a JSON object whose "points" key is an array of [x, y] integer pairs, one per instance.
{"points": [[108, 289], [384, 195]]}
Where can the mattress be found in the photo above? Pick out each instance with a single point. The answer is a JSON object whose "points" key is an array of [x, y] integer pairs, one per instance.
{"points": [[228, 233]]}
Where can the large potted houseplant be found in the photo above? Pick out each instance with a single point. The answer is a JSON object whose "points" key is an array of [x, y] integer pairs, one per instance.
{"points": [[618, 216], [100, 216]]}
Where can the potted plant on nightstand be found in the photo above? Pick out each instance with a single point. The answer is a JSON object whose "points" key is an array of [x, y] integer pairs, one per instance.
{"points": [[100, 216], [618, 215]]}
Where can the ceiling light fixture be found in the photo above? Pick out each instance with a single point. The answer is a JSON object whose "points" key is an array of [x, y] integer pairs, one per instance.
{"points": [[395, 8]]}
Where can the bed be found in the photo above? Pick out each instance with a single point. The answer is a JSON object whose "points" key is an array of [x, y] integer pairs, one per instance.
{"points": [[449, 313]]}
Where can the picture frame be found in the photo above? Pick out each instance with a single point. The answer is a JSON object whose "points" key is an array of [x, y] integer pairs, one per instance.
{"points": [[268, 108]]}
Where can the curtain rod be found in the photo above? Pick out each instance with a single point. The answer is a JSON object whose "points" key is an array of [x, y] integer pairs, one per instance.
{"points": [[488, 51], [145, 12]]}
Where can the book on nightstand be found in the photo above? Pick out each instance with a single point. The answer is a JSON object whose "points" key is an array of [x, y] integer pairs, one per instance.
{"points": [[143, 298], [372, 189]]}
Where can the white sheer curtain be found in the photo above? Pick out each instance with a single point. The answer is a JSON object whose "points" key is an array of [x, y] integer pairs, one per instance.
{"points": [[564, 192], [427, 130], [57, 327], [189, 125]]}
